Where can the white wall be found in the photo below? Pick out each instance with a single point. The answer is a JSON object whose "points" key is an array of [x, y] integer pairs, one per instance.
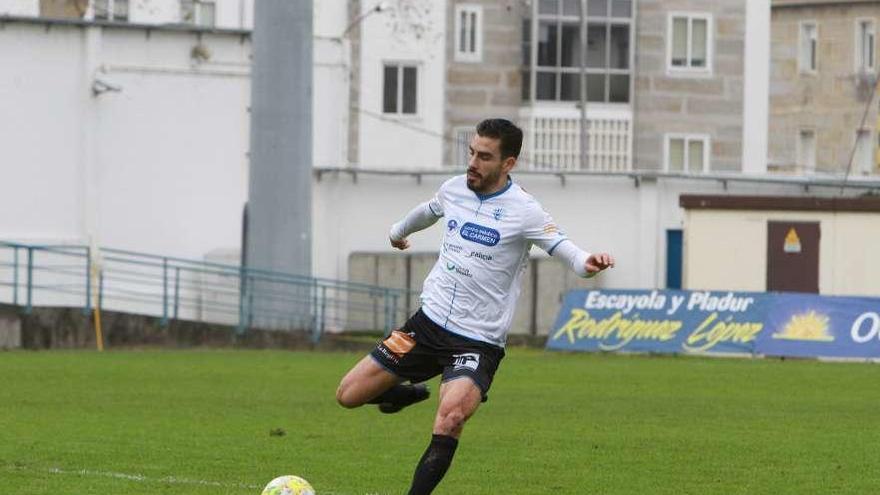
{"points": [[41, 102], [19, 7], [727, 250], [599, 214], [230, 14], [159, 166], [403, 141]]}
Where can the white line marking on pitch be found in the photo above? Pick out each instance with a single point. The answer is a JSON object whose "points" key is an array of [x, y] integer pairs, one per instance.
{"points": [[144, 479]]}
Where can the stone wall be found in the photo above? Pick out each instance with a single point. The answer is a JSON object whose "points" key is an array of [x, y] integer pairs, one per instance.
{"points": [[490, 88], [70, 328], [831, 101], [691, 104]]}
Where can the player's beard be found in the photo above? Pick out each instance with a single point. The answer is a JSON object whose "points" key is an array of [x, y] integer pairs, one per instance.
{"points": [[482, 182]]}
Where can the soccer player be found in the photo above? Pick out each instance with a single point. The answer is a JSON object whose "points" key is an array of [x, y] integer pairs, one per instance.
{"points": [[468, 299]]}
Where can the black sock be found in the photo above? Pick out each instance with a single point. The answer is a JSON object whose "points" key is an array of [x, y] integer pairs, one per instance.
{"points": [[398, 394], [433, 465]]}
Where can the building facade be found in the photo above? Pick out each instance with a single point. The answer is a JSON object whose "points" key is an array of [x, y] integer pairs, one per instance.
{"points": [[644, 85], [823, 115], [221, 14]]}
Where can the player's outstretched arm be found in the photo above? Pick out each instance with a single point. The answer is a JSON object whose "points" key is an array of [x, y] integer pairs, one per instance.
{"points": [[420, 218]]}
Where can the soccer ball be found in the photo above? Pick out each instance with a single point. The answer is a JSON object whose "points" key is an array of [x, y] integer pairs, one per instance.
{"points": [[288, 485]]}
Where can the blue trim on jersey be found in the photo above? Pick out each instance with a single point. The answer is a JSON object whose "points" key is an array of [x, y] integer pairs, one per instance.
{"points": [[550, 251], [451, 304], [484, 197]]}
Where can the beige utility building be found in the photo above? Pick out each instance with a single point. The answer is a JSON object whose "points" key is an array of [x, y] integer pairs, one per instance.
{"points": [[758, 243], [823, 75]]}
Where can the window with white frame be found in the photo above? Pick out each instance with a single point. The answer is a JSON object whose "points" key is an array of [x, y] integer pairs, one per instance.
{"points": [[689, 43], [399, 89], [808, 51], [865, 35], [806, 150], [468, 33], [463, 137], [199, 12], [558, 40], [688, 153], [110, 10]]}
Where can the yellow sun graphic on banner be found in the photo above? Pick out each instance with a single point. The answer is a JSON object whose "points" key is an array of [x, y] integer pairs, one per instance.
{"points": [[810, 326]]}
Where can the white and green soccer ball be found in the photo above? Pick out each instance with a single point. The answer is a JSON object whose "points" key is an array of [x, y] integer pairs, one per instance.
{"points": [[288, 485]]}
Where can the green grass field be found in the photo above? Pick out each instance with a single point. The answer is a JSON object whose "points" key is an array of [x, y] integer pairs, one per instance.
{"points": [[199, 422]]}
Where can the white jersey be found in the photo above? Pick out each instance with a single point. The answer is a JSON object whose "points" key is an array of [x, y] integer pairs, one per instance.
{"points": [[473, 288]]}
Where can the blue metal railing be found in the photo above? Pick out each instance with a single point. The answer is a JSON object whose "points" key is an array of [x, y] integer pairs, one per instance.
{"points": [[176, 288]]}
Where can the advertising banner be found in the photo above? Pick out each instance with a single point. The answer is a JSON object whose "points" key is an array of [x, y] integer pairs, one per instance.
{"points": [[712, 322]]}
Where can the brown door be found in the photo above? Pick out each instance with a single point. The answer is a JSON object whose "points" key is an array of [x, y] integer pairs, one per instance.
{"points": [[793, 256]]}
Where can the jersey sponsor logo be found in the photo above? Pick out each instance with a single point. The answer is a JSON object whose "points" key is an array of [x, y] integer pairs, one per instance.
{"points": [[452, 267], [482, 256], [452, 225], [399, 343], [466, 361], [450, 247], [479, 234]]}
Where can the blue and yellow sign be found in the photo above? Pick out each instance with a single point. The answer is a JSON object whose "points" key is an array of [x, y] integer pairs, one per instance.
{"points": [[709, 322]]}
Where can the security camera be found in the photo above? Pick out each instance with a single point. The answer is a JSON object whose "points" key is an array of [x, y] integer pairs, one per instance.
{"points": [[100, 86]]}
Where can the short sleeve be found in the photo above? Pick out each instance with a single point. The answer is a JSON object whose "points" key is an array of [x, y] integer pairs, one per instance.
{"points": [[542, 231], [436, 203]]}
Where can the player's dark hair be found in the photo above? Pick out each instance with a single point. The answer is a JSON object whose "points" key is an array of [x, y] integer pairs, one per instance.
{"points": [[510, 135]]}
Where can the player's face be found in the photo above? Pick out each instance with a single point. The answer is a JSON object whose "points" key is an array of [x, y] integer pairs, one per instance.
{"points": [[487, 172]]}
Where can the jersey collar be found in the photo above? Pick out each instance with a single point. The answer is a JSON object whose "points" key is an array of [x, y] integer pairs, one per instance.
{"points": [[484, 197]]}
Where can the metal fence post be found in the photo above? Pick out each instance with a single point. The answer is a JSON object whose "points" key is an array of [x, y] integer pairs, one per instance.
{"points": [[394, 309], [176, 289], [30, 280], [250, 304], [88, 306], [242, 290], [316, 313], [386, 301], [15, 275], [323, 310], [164, 291], [313, 306]]}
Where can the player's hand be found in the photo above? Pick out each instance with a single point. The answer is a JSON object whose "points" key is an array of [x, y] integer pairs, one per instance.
{"points": [[598, 262], [401, 244]]}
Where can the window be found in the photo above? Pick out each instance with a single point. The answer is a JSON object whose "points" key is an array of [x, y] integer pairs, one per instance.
{"points": [[808, 53], [688, 153], [468, 33], [199, 12], [463, 137], [564, 41], [689, 43], [399, 89], [865, 45], [863, 159], [806, 150], [110, 10]]}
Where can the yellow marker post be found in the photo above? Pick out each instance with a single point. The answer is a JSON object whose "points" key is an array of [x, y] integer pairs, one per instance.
{"points": [[99, 336]]}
